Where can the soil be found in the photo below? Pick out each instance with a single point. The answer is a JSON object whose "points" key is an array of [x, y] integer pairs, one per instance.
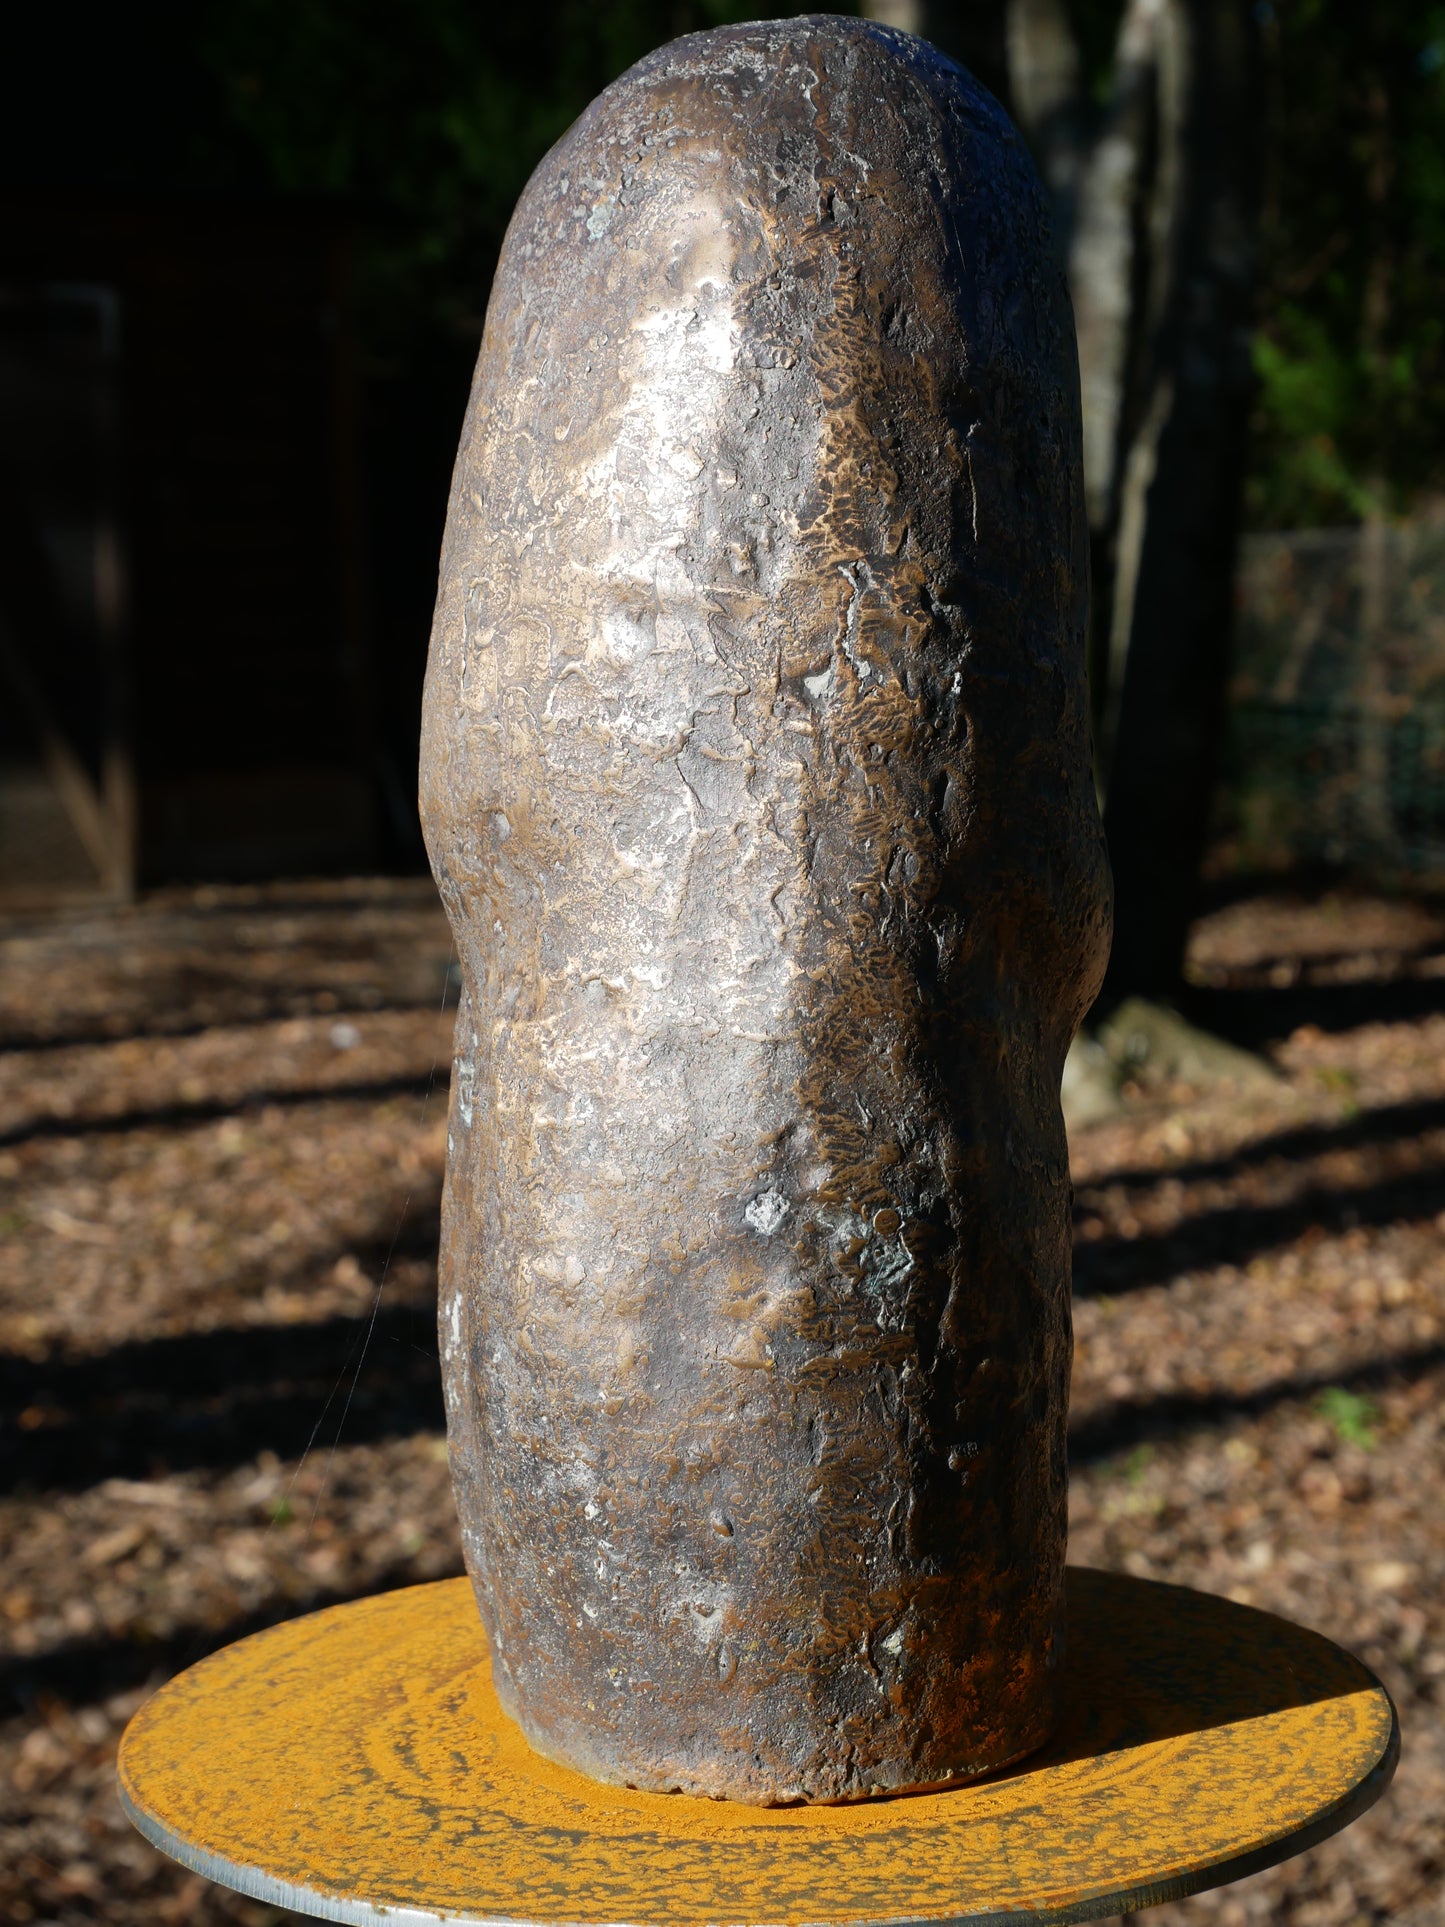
{"points": [[221, 1145]]}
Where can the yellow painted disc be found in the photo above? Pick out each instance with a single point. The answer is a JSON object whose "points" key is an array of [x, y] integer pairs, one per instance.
{"points": [[356, 1765]]}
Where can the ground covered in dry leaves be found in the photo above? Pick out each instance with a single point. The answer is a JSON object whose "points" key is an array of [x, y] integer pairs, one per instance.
{"points": [[221, 1142]]}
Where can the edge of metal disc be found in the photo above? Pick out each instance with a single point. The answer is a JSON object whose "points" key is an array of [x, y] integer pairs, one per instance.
{"points": [[257, 1884]]}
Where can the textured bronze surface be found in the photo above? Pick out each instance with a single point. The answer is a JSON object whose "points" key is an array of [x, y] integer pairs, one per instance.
{"points": [[756, 781]]}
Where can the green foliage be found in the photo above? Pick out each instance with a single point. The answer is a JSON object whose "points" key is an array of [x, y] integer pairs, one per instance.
{"points": [[1135, 1464], [1353, 1415], [1310, 394], [428, 118], [1350, 354]]}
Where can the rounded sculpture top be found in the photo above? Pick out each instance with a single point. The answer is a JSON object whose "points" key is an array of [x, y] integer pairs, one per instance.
{"points": [[756, 779], [777, 353]]}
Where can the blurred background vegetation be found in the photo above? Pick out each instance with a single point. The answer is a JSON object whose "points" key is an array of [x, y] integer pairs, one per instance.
{"points": [[424, 119], [409, 130], [1350, 349]]}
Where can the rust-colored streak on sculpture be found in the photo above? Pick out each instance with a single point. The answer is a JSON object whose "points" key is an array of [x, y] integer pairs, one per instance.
{"points": [[756, 780]]}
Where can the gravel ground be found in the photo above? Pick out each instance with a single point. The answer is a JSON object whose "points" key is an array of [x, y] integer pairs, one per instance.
{"points": [[221, 1141]]}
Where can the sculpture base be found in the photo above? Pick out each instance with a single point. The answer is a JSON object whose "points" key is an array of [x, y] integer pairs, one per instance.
{"points": [[355, 1765]]}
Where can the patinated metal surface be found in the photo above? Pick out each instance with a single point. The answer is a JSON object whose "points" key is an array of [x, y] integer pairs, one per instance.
{"points": [[756, 782], [1199, 1741]]}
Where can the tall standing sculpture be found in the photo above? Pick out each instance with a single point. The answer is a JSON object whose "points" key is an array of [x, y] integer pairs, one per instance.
{"points": [[756, 781]]}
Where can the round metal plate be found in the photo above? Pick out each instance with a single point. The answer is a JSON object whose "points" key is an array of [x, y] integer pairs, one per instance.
{"points": [[356, 1765]]}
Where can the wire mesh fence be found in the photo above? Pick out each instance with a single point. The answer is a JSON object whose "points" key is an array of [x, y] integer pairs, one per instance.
{"points": [[1335, 745]]}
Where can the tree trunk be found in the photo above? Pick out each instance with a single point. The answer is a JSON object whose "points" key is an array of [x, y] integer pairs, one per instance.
{"points": [[1045, 80], [1180, 495], [1113, 291], [1372, 774]]}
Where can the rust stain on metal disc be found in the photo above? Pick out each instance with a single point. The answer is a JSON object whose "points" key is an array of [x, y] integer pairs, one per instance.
{"points": [[358, 1760]]}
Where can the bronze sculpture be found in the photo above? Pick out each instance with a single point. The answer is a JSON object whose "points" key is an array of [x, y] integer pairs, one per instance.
{"points": [[756, 782]]}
